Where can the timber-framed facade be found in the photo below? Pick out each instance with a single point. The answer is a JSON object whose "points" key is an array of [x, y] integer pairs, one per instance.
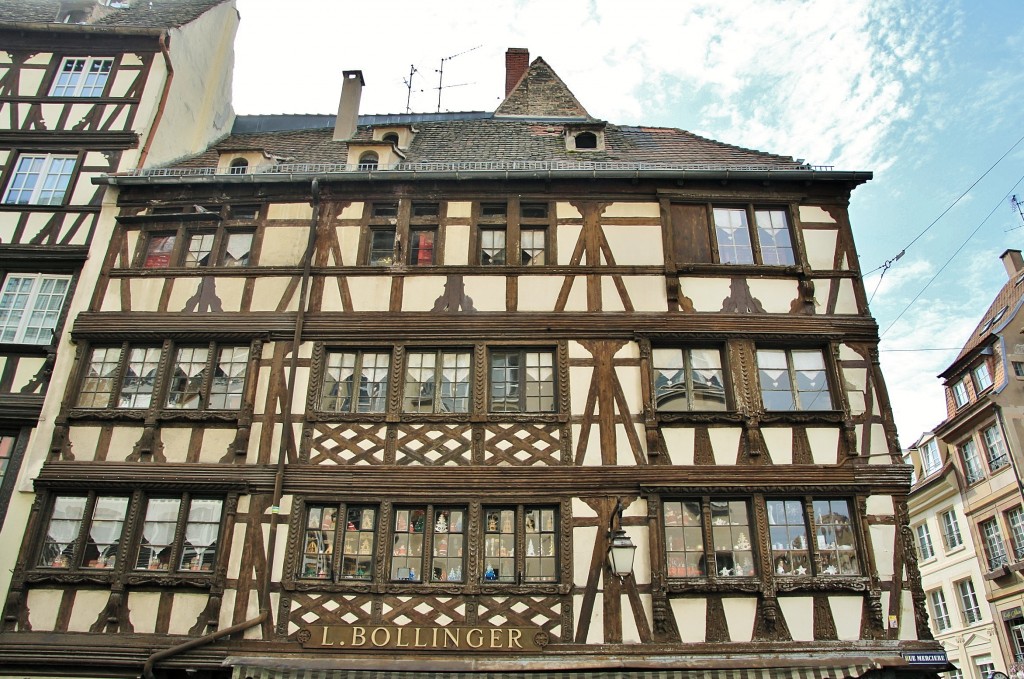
{"points": [[339, 412]]}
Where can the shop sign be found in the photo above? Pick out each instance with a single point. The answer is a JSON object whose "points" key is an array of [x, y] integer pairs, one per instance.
{"points": [[369, 637], [1011, 613], [933, 658]]}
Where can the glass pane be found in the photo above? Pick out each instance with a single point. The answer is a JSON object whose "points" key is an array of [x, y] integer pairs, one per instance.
{"points": [[499, 545], [357, 546], [492, 246], [228, 383], [684, 539], [199, 251], [186, 382], [318, 541], [158, 251], [139, 378], [407, 544], [199, 551], [61, 533], [773, 233], [788, 532], [105, 532], [733, 236], [421, 249], [236, 251], [382, 247], [99, 378], [446, 563], [158, 534]]}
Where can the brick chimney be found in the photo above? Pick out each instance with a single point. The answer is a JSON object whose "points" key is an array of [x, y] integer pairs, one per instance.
{"points": [[1013, 262], [517, 59], [348, 107]]}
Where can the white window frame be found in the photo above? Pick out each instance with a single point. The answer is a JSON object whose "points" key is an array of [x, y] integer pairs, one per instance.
{"points": [[995, 448], [930, 458], [951, 536], [83, 83], [50, 178], [969, 607], [29, 310], [972, 462], [925, 548], [960, 394], [995, 545], [982, 377], [940, 612]]}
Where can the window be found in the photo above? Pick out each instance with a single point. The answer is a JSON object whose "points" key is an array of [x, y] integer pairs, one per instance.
{"points": [[40, 179], [1015, 518], [209, 377], [793, 379], [347, 369], [924, 542], [737, 243], [81, 77], [391, 137], [238, 166], [6, 452], [492, 246], [1016, 627], [202, 247], [421, 245], [419, 531], [522, 381], [688, 541], [368, 161], [950, 530], [968, 601], [533, 246], [688, 379], [586, 140], [996, 449], [519, 544], [972, 465], [353, 544], [179, 534], [834, 547], [995, 549], [437, 382], [960, 396], [30, 306], [382, 247], [1018, 368], [986, 668], [930, 457], [955, 673], [87, 532], [982, 378], [940, 614], [492, 234]]}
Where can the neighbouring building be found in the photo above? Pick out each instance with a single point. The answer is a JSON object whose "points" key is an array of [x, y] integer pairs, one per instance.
{"points": [[362, 396], [985, 416], [951, 573]]}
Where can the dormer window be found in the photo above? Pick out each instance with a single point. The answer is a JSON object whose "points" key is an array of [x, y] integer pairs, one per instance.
{"points": [[391, 137], [584, 137], [368, 161], [238, 166], [586, 140]]}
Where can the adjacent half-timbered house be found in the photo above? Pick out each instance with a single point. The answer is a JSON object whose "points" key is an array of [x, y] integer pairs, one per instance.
{"points": [[374, 396], [86, 88]]}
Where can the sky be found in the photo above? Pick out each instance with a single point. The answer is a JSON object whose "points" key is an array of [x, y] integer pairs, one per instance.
{"points": [[927, 95]]}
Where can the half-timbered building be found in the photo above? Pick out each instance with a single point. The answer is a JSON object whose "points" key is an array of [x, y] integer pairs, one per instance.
{"points": [[86, 88], [375, 395]]}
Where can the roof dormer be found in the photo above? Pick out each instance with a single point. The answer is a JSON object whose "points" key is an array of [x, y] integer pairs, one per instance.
{"points": [[399, 135], [244, 161], [366, 155], [587, 136]]}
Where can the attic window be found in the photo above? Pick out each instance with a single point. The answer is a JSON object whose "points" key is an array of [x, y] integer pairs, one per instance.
{"points": [[368, 161], [1020, 279], [391, 137], [586, 140], [999, 315], [75, 17], [238, 166]]}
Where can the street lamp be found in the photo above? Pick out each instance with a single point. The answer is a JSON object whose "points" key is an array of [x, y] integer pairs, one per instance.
{"points": [[621, 549]]}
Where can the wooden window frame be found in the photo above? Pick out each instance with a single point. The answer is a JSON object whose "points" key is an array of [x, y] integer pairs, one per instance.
{"points": [[522, 382], [183, 232], [709, 550], [513, 222], [727, 392], [359, 353], [828, 369], [520, 553], [815, 553], [757, 248]]}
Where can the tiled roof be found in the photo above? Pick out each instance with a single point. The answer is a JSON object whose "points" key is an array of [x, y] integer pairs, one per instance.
{"points": [[540, 92], [1007, 298], [139, 13], [504, 139]]}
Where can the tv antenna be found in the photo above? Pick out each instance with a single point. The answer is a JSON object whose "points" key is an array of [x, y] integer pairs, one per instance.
{"points": [[440, 75], [1016, 205], [408, 85]]}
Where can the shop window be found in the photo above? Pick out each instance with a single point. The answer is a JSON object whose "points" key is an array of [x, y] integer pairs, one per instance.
{"points": [[428, 543], [832, 551], [30, 307], [688, 379], [353, 542], [520, 544], [721, 549]]}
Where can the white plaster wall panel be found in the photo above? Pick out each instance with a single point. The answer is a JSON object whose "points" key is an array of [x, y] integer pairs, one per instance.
{"points": [[581, 510], [538, 293], [43, 605], [215, 444], [679, 442], [635, 245], [283, 245], [252, 609], [4, 155], [799, 614], [35, 223], [89, 604], [76, 113], [237, 540], [460, 210], [815, 214], [640, 536], [81, 236], [456, 243], [40, 59], [281, 551], [725, 443], [31, 84], [267, 293], [630, 630], [348, 240], [577, 350], [420, 293], [775, 295], [705, 293], [185, 610], [229, 290], [630, 378], [998, 482], [739, 614], [175, 440], [623, 450], [145, 292], [577, 300], [568, 234], [122, 81], [592, 452], [129, 59], [290, 211], [112, 297], [846, 302], [908, 628], [182, 290], [142, 608], [84, 188], [301, 385], [584, 538], [132, 243], [824, 444], [848, 353], [353, 211], [647, 293], [858, 404], [330, 300], [779, 441], [633, 210], [487, 292], [121, 118], [8, 222], [370, 293], [579, 388], [822, 290], [28, 367], [691, 615], [882, 539], [83, 441], [122, 442], [262, 384], [821, 248], [877, 445], [567, 211], [847, 612], [51, 114], [595, 635], [880, 505]]}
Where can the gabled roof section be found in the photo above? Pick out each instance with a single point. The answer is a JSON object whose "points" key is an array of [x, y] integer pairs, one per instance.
{"points": [[1006, 301], [125, 14], [540, 93]]}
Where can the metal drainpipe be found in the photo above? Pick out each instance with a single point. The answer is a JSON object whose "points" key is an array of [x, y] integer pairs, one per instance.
{"points": [[163, 101], [282, 455]]}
